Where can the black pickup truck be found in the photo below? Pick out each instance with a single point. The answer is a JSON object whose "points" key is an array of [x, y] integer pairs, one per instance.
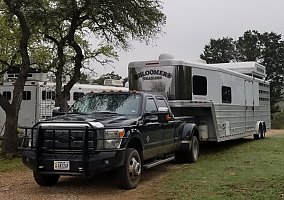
{"points": [[127, 131]]}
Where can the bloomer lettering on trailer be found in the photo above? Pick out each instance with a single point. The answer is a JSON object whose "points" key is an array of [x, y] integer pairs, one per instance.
{"points": [[153, 72]]}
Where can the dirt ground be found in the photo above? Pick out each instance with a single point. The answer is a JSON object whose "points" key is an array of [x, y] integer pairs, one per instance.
{"points": [[20, 185]]}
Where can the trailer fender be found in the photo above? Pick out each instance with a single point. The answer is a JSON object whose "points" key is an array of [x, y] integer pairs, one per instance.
{"points": [[259, 127], [186, 132]]}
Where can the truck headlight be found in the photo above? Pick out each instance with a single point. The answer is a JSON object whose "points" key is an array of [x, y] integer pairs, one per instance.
{"points": [[31, 138], [113, 138]]}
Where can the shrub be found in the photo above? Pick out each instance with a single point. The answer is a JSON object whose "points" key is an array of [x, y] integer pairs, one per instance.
{"points": [[278, 120]]}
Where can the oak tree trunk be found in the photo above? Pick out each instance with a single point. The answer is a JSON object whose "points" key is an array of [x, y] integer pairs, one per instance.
{"points": [[10, 145]]}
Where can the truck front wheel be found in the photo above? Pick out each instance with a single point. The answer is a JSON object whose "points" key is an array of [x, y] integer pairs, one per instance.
{"points": [[130, 172], [46, 180]]}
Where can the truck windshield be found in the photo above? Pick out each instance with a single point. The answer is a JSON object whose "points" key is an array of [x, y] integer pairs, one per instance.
{"points": [[122, 103]]}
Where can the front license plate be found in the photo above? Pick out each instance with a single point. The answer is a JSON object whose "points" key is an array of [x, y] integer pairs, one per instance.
{"points": [[61, 165]]}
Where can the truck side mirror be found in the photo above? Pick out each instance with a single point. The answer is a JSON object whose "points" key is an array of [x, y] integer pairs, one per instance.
{"points": [[150, 117], [164, 114]]}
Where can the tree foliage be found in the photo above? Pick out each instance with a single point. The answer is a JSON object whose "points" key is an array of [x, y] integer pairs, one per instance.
{"points": [[54, 34], [14, 10], [219, 51], [264, 48], [65, 24]]}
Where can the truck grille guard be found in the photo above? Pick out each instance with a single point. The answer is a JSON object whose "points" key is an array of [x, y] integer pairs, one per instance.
{"points": [[59, 137], [45, 139]]}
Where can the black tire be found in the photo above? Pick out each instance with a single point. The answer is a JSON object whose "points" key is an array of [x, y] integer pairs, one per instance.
{"points": [[46, 180], [259, 133], [130, 172], [180, 157], [256, 136], [191, 155], [263, 135]]}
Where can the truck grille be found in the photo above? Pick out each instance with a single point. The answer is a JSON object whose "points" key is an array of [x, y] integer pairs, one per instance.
{"points": [[68, 139]]}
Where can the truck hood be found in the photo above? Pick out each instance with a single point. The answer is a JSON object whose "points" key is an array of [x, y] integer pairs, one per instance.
{"points": [[107, 120]]}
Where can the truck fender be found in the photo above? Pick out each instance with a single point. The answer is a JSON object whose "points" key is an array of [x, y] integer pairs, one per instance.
{"points": [[134, 140], [186, 131]]}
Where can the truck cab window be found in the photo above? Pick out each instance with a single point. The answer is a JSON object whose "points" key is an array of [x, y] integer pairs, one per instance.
{"points": [[151, 105], [199, 85]]}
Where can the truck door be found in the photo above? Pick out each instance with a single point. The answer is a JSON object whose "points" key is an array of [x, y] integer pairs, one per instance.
{"points": [[168, 128], [151, 130], [249, 106]]}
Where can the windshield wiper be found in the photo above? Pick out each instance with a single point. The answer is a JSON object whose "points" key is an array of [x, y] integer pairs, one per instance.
{"points": [[104, 112], [79, 113]]}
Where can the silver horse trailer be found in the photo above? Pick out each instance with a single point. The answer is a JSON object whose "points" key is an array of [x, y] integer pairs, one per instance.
{"points": [[226, 101]]}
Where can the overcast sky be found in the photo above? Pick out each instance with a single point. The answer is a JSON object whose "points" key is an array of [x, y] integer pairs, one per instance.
{"points": [[191, 24]]}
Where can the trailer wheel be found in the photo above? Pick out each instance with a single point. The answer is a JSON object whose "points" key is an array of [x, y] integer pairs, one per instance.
{"points": [[259, 134], [263, 135], [130, 172], [46, 180], [191, 155]]}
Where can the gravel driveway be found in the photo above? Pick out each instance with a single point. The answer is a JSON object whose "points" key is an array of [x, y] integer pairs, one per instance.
{"points": [[20, 185]]}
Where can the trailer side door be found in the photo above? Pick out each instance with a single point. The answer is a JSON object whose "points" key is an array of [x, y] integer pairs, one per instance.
{"points": [[249, 106]]}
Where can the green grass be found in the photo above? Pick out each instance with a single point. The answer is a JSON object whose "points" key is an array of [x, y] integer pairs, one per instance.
{"points": [[13, 164], [10, 164], [241, 169]]}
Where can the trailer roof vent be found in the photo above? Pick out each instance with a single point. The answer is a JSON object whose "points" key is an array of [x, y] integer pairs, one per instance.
{"points": [[166, 56]]}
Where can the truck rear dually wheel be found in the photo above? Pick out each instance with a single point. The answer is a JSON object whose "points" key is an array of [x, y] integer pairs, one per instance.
{"points": [[191, 155], [46, 180], [130, 172]]}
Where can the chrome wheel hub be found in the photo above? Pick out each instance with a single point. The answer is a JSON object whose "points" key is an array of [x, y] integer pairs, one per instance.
{"points": [[134, 168]]}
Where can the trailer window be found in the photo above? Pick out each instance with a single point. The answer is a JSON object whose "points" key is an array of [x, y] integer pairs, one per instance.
{"points": [[150, 105], [48, 95], [27, 95], [200, 85], [226, 94], [7, 95], [77, 95]]}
